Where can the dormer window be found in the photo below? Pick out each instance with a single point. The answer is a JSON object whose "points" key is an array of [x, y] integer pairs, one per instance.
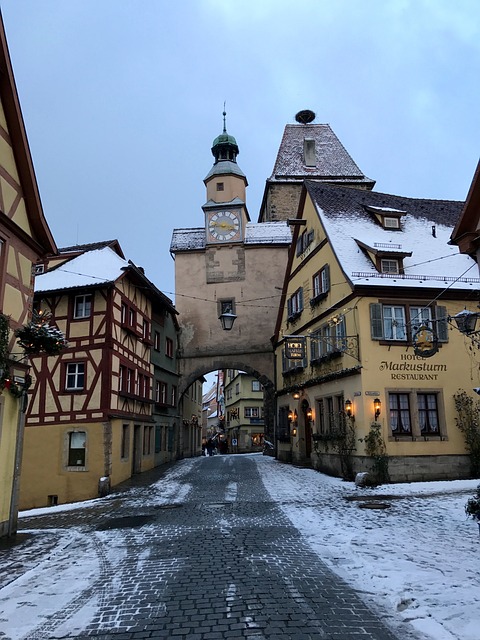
{"points": [[389, 218], [391, 223], [387, 265], [385, 256]]}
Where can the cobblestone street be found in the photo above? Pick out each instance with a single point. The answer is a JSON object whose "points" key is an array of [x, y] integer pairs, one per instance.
{"points": [[217, 560]]}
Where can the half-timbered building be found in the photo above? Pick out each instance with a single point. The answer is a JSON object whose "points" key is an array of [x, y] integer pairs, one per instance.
{"points": [[24, 239], [90, 422]]}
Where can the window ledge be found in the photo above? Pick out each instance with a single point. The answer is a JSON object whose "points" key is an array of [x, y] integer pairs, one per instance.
{"points": [[317, 299], [294, 316]]}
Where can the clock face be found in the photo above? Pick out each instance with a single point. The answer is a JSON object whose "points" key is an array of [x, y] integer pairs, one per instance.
{"points": [[224, 226]]}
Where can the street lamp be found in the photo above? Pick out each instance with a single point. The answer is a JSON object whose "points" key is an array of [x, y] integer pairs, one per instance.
{"points": [[227, 319], [377, 406], [466, 321]]}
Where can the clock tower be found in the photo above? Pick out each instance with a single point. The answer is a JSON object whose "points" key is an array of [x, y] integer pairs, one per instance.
{"points": [[225, 211]]}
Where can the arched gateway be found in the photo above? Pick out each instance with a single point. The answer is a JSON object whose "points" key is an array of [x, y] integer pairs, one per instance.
{"points": [[229, 265]]}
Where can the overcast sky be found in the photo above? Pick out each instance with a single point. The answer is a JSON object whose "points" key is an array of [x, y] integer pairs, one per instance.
{"points": [[123, 98]]}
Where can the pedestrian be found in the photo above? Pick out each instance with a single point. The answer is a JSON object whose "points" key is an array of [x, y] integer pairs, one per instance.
{"points": [[210, 447]]}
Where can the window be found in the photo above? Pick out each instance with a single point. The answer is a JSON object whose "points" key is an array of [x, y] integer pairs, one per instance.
{"points": [[256, 386], [321, 284], [389, 266], [428, 413], [76, 448], [156, 341], [391, 223], [129, 317], [160, 392], [169, 347], [331, 414], [304, 241], [237, 389], [419, 316], [389, 322], [329, 339], [75, 376], [130, 380], [295, 304], [174, 396], [252, 412], [394, 323], [400, 420], [82, 306], [147, 440], [145, 329], [417, 414], [220, 186], [125, 446]]}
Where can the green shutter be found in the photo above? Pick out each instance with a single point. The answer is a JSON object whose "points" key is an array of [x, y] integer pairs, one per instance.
{"points": [[442, 323], [376, 324]]}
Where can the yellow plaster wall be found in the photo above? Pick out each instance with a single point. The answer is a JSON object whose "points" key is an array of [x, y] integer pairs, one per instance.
{"points": [[39, 480], [8, 439]]}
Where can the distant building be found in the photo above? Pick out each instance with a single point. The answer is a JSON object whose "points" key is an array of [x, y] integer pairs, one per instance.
{"points": [[25, 239], [244, 412]]}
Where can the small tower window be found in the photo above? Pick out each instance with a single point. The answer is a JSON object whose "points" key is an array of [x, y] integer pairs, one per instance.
{"points": [[220, 186], [309, 152]]}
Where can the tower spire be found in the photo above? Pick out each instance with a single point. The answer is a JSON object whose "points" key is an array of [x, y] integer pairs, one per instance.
{"points": [[224, 119]]}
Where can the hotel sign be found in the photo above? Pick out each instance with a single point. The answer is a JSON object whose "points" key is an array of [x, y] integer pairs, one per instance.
{"points": [[295, 347]]}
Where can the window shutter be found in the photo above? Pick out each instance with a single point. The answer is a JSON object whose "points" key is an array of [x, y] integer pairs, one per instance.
{"points": [[310, 236], [376, 324], [289, 307], [442, 324], [300, 299], [327, 277], [299, 245]]}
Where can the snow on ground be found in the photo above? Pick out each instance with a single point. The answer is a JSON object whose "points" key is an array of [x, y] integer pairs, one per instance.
{"points": [[418, 560]]}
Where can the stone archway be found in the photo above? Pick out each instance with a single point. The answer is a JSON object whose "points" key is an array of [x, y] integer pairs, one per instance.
{"points": [[260, 366]]}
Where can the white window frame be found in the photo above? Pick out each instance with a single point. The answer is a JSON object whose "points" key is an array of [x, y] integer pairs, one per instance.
{"points": [[389, 265], [75, 372], [394, 324], [82, 306]]}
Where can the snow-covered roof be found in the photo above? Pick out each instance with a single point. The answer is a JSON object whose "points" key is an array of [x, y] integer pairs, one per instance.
{"points": [[425, 232], [91, 268], [188, 239], [255, 233], [268, 233], [332, 161]]}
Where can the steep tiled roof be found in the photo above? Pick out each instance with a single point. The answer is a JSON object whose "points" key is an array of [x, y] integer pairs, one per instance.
{"points": [[332, 161], [423, 237]]}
